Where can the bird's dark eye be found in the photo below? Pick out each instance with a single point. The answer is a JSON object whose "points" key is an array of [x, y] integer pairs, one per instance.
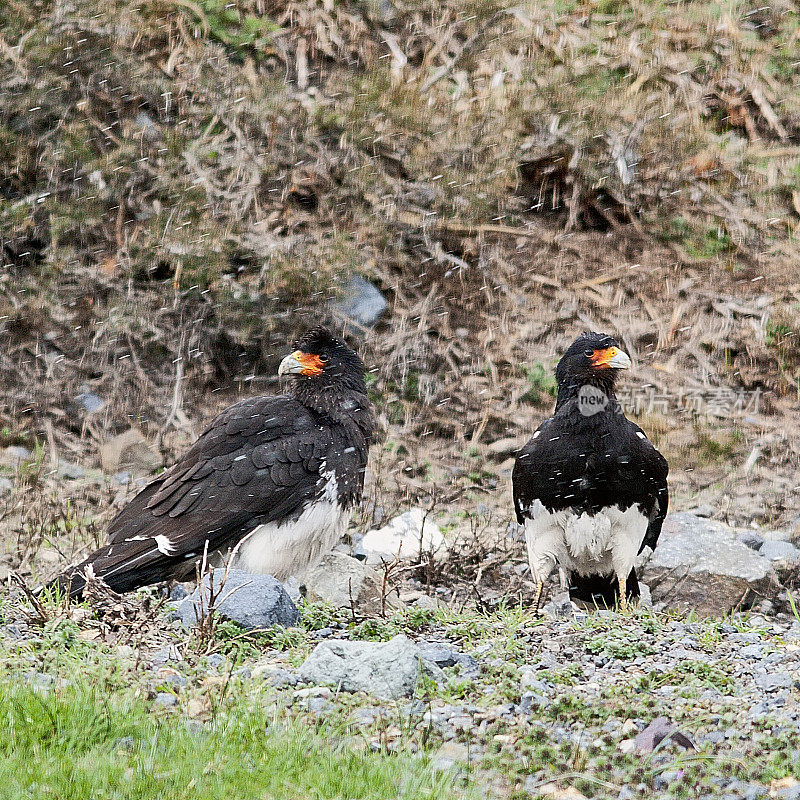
{"points": [[323, 358], [588, 353]]}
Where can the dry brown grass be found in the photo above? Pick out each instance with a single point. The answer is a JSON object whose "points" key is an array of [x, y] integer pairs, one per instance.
{"points": [[181, 186]]}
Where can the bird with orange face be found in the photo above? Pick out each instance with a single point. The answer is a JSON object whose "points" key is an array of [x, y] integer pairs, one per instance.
{"points": [[271, 482], [590, 490]]}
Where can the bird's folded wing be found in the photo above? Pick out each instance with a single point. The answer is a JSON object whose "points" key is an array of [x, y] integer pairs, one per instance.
{"points": [[259, 461], [651, 470]]}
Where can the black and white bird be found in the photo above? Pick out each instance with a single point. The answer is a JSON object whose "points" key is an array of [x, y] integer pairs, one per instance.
{"points": [[272, 482], [589, 488]]}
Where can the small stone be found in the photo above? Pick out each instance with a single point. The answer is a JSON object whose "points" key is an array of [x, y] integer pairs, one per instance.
{"points": [[166, 700], [342, 581], [362, 302], [275, 676], [196, 708], [90, 401], [14, 456], [409, 536], [313, 691], [69, 471], [216, 660], [773, 682], [448, 755], [130, 451], [125, 743], [704, 510], [170, 677], [780, 551], [665, 779], [253, 601], [195, 727], [384, 669], [379, 12], [178, 593]]}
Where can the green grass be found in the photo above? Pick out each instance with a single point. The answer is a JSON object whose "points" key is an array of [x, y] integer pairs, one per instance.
{"points": [[541, 383], [81, 743]]}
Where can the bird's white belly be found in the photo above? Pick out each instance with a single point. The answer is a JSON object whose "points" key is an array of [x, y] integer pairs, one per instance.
{"points": [[603, 543], [292, 548]]}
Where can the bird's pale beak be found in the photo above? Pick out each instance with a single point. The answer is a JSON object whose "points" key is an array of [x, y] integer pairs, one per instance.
{"points": [[299, 363], [611, 358]]}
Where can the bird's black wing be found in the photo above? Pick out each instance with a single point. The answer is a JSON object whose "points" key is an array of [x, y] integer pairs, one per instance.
{"points": [[544, 468], [653, 470], [259, 461]]}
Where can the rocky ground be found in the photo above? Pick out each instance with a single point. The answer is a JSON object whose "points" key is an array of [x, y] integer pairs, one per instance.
{"points": [[570, 705]]}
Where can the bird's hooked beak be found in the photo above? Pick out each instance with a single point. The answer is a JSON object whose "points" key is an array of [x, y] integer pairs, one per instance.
{"points": [[299, 363], [610, 358]]}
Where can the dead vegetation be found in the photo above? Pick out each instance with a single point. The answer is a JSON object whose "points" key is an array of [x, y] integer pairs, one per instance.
{"points": [[184, 185]]}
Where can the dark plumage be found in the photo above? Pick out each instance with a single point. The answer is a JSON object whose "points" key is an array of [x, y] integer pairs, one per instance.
{"points": [[589, 487], [273, 479]]}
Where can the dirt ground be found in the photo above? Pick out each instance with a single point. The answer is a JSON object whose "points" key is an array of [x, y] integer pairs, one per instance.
{"points": [[185, 186]]}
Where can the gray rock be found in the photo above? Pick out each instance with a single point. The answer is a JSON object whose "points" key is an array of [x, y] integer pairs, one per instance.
{"points": [[216, 660], [14, 455], [69, 471], [773, 682], [361, 302], [178, 593], [166, 700], [380, 12], [6, 485], [129, 451], [90, 401], [443, 656], [437, 653], [752, 539], [408, 536], [704, 510], [755, 651], [254, 601], [342, 581], [281, 678], [387, 670], [700, 565], [780, 551]]}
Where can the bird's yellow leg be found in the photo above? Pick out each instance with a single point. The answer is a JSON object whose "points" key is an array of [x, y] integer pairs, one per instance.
{"points": [[538, 597], [623, 593]]}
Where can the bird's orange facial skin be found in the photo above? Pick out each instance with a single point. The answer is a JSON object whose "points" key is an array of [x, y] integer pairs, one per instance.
{"points": [[601, 358], [312, 365]]}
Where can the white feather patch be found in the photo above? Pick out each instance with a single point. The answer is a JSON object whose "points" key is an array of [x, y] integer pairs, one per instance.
{"points": [[164, 545], [292, 548], [603, 543]]}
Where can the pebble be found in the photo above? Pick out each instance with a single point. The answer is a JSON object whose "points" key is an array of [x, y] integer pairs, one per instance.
{"points": [[166, 700], [773, 682], [779, 551]]}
